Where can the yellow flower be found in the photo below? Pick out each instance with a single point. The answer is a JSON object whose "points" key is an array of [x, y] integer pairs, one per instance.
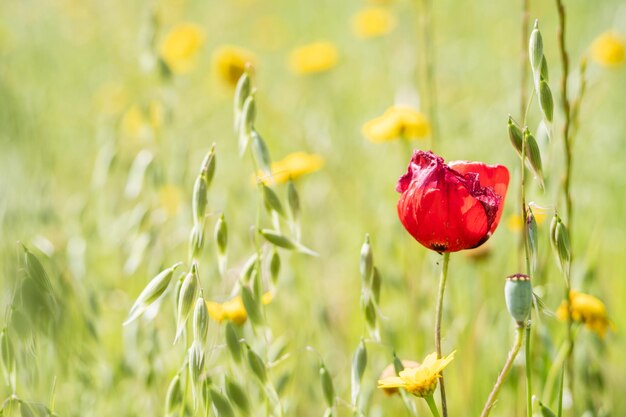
{"points": [[233, 309], [588, 310], [293, 166], [230, 63], [608, 49], [390, 371], [373, 21], [141, 121], [111, 98], [180, 47], [397, 122], [421, 380], [313, 58]]}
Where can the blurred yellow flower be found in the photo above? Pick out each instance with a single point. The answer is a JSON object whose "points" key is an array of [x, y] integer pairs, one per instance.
{"points": [[293, 166], [588, 310], [140, 122], [397, 122], [313, 58], [233, 310], [111, 98], [180, 47], [608, 49], [372, 22], [230, 63], [420, 381], [515, 222], [170, 198]]}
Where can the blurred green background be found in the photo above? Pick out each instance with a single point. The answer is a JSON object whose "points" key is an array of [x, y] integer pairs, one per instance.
{"points": [[72, 72]]}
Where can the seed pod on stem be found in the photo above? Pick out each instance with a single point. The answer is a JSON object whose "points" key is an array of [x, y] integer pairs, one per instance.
{"points": [[186, 298], [518, 296]]}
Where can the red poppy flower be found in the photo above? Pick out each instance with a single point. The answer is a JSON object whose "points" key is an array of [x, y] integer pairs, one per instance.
{"points": [[451, 207]]}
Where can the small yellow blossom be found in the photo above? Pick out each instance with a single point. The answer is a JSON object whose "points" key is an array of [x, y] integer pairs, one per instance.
{"points": [[111, 98], [372, 22], [180, 47], [420, 381], [313, 58], [233, 310], [390, 371], [170, 198], [397, 122], [588, 310], [608, 49], [141, 121], [230, 63], [293, 166]]}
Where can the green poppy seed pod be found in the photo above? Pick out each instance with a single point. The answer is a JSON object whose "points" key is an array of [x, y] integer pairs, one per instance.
{"points": [[274, 266], [186, 298], [232, 342], [221, 404], [359, 362], [376, 284], [242, 91], [518, 296], [174, 397], [256, 365], [200, 321], [545, 100], [544, 75], [533, 154], [515, 135], [366, 266], [153, 291], [261, 153], [237, 395], [533, 238], [327, 386], [246, 123], [535, 48], [251, 304], [272, 202]]}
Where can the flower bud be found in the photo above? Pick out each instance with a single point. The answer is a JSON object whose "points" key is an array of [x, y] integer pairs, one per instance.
{"points": [[327, 386], [186, 297], [285, 243], [153, 291], [237, 395], [545, 100], [261, 153], [207, 169], [195, 362], [274, 266], [200, 199], [293, 204], [516, 135], [367, 262], [532, 238], [221, 404], [251, 304], [544, 69], [562, 246], [535, 48], [256, 365], [174, 397], [246, 123], [196, 240], [518, 296]]}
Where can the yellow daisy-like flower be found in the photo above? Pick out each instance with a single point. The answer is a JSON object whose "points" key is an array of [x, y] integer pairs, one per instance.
{"points": [[230, 63], [420, 381], [372, 22], [609, 49], [293, 166], [180, 47], [233, 310], [588, 310], [313, 58], [397, 122]]}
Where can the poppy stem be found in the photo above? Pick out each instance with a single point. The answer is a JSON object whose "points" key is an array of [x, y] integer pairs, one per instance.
{"points": [[438, 312], [524, 56], [431, 404], [519, 336]]}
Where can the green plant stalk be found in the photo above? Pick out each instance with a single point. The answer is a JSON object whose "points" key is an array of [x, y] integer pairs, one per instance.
{"points": [[529, 379], [438, 313], [426, 25], [519, 336], [432, 406], [524, 55]]}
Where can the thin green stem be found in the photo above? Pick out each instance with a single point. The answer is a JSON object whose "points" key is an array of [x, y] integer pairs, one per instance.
{"points": [[426, 24], [524, 55], [529, 380], [438, 313], [519, 336], [431, 404]]}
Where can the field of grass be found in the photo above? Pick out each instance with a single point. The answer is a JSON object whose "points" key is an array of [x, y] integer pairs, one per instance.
{"points": [[102, 136]]}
